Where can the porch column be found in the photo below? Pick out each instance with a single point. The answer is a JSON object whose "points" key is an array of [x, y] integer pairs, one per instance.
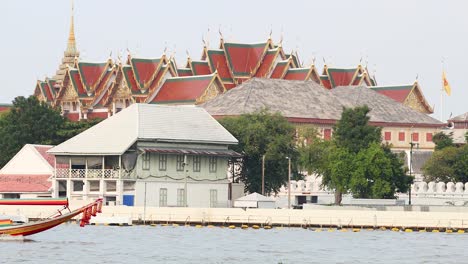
{"points": [[85, 181], [69, 188], [101, 181], [69, 167]]}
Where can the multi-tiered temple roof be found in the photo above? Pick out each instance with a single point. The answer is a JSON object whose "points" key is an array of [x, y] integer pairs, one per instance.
{"points": [[99, 89]]}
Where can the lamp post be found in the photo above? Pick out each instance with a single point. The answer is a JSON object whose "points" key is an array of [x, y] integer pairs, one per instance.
{"points": [[412, 144], [263, 175], [289, 183]]}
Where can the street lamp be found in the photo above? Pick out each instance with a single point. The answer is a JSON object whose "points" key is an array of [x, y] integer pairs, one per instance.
{"points": [[412, 144], [289, 182], [263, 175]]}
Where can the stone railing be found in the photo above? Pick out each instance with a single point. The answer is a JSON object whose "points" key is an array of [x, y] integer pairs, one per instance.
{"points": [[90, 173]]}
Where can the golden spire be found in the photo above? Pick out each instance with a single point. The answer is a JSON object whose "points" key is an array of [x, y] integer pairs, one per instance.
{"points": [[71, 45]]}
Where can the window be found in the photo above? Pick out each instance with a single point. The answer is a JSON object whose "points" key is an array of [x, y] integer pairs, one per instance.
{"points": [[213, 164], [162, 197], [11, 196], [388, 136], [429, 137], [180, 163], [213, 198], [180, 197], [78, 186], [401, 136], [162, 162], [327, 134], [196, 163], [415, 136], [146, 161]]}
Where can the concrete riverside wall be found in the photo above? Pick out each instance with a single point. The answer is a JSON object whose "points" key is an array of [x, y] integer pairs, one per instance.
{"points": [[320, 216]]}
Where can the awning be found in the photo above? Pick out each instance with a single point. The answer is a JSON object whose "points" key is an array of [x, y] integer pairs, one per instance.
{"points": [[203, 152]]}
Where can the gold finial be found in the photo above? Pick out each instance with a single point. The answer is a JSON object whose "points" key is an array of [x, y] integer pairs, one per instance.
{"points": [[71, 45]]}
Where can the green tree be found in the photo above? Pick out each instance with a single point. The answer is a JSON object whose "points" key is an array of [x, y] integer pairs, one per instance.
{"points": [[353, 132], [262, 133], [442, 140], [32, 122], [449, 164], [355, 161], [28, 121]]}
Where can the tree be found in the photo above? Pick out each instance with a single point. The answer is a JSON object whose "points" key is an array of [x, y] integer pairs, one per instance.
{"points": [[442, 140], [262, 133], [449, 164], [28, 121], [355, 161], [353, 132], [32, 122]]}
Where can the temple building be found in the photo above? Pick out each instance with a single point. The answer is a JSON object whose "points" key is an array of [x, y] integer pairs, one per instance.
{"points": [[308, 104], [85, 90]]}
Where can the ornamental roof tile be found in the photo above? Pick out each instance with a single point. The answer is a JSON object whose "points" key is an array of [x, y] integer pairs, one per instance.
{"points": [[182, 89]]}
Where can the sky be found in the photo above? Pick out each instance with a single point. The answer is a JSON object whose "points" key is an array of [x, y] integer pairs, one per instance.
{"points": [[399, 40]]}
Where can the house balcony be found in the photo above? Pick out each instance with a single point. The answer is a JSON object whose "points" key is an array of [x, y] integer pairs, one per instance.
{"points": [[91, 173]]}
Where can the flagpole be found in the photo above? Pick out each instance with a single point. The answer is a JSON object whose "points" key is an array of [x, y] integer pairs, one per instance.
{"points": [[442, 93]]}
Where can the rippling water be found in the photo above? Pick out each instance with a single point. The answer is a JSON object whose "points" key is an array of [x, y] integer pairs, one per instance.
{"points": [[147, 244]]}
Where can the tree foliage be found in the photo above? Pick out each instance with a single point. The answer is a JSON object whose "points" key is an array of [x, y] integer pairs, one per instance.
{"points": [[355, 161], [262, 133], [449, 164], [442, 140], [32, 122]]}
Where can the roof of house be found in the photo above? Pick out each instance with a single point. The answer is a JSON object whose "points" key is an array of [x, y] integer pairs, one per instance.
{"points": [[116, 134], [460, 118], [24, 183], [256, 197], [309, 100], [30, 160]]}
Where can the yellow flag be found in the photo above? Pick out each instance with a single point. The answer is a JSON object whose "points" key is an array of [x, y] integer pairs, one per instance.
{"points": [[447, 88]]}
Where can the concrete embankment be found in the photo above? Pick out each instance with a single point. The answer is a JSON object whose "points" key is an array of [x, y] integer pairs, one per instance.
{"points": [[320, 216]]}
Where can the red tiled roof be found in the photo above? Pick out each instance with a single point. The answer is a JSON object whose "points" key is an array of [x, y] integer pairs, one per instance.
{"points": [[91, 73], [397, 93], [200, 68], [24, 183], [182, 89], [341, 77], [280, 69], [297, 74], [267, 63], [145, 70], [43, 151], [244, 58], [218, 62]]}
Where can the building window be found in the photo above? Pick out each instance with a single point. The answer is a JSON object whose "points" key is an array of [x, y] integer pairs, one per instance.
{"points": [[388, 136], [146, 161], [180, 197], [180, 163], [415, 136], [213, 198], [11, 196], [213, 164], [162, 197], [196, 163], [429, 137], [78, 186], [401, 136], [162, 162], [327, 134]]}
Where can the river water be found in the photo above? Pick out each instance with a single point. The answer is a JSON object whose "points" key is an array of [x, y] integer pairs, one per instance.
{"points": [[148, 244]]}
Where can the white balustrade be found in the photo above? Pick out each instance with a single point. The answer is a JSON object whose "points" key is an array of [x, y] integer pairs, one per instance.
{"points": [[90, 173]]}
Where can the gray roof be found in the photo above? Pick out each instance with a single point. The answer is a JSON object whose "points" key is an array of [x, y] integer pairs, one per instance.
{"points": [[460, 118], [117, 133], [307, 99]]}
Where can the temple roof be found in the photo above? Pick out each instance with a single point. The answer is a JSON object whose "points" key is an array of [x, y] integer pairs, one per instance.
{"points": [[244, 59], [406, 93], [309, 102], [267, 64], [218, 62], [182, 89]]}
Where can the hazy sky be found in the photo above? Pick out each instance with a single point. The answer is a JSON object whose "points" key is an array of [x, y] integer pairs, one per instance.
{"points": [[400, 39]]}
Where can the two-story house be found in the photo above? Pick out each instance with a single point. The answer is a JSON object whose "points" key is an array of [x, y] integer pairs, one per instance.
{"points": [[148, 155]]}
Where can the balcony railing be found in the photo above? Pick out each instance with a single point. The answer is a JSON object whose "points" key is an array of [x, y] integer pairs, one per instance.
{"points": [[90, 173]]}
